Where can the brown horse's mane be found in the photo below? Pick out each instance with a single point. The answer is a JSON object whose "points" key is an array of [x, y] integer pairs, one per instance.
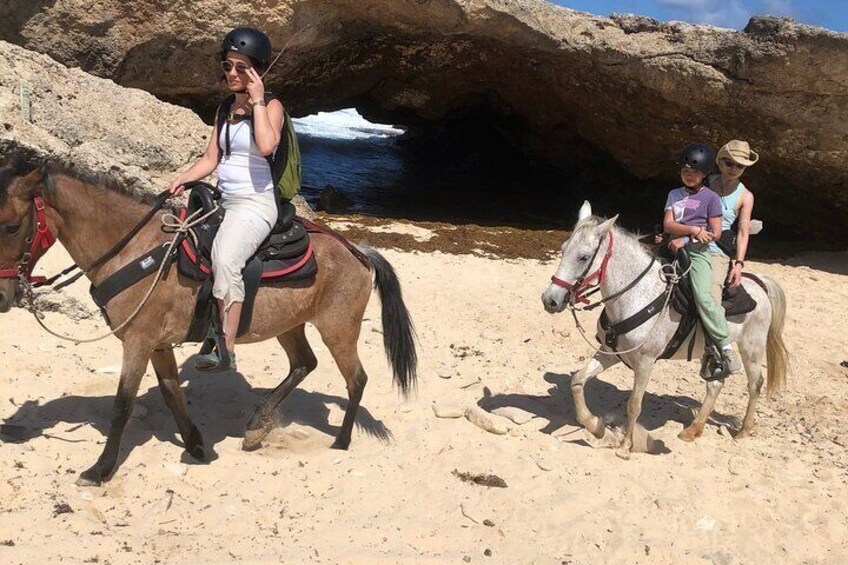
{"points": [[19, 166], [6, 174]]}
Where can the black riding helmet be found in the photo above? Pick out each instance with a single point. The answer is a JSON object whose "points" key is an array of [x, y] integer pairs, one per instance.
{"points": [[698, 156], [248, 41]]}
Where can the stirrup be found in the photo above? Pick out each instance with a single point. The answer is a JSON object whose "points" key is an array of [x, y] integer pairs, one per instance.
{"points": [[213, 363], [713, 365], [210, 358]]}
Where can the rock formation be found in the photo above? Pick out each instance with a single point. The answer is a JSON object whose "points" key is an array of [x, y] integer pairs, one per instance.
{"points": [[570, 87], [48, 111]]}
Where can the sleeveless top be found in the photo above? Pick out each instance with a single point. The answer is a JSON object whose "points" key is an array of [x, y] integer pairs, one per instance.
{"points": [[245, 170], [729, 207]]}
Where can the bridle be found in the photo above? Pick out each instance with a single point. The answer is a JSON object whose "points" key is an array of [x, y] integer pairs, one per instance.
{"points": [[38, 240], [584, 281]]}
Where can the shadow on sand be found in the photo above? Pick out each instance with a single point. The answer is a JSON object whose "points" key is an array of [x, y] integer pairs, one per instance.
{"points": [[605, 400], [219, 404]]}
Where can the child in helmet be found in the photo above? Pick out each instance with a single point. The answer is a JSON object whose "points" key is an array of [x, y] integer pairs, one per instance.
{"points": [[693, 216]]}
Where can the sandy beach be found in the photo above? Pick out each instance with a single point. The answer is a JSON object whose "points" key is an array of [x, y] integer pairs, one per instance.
{"points": [[396, 496]]}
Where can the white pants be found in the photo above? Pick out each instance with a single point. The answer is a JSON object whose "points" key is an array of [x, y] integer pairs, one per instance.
{"points": [[247, 222]]}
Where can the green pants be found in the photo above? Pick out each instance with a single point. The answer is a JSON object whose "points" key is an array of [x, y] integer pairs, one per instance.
{"points": [[705, 282]]}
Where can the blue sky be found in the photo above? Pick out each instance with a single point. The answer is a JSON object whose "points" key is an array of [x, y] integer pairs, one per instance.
{"points": [[832, 14]]}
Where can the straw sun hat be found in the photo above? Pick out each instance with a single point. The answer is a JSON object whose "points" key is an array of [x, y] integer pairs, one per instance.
{"points": [[738, 151]]}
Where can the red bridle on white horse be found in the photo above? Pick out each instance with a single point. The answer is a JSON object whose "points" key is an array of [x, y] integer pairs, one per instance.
{"points": [[583, 282]]}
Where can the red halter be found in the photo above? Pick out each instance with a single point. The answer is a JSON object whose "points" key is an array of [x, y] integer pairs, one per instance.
{"points": [[583, 282], [39, 240]]}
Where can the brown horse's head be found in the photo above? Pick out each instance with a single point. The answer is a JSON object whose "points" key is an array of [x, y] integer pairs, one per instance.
{"points": [[18, 183]]}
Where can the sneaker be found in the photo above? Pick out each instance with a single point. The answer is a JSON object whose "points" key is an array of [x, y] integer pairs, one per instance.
{"points": [[209, 362], [730, 360]]}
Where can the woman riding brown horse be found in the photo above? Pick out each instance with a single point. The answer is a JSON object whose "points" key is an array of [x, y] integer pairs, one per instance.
{"points": [[88, 216]]}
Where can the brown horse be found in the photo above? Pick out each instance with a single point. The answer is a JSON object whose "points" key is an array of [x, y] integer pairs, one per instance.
{"points": [[90, 215]]}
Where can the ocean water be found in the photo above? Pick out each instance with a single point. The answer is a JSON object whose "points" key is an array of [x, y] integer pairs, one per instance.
{"points": [[360, 159], [384, 174]]}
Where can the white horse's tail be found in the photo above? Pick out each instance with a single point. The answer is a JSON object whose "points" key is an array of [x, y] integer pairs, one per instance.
{"points": [[777, 356]]}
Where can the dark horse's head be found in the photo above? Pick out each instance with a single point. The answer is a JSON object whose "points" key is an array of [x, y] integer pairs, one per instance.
{"points": [[18, 182]]}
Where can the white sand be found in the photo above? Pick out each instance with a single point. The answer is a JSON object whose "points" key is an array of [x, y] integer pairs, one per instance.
{"points": [[778, 497]]}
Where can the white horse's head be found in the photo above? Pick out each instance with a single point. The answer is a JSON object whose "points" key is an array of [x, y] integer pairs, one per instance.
{"points": [[580, 257]]}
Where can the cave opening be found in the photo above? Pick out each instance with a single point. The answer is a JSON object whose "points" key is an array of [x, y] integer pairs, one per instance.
{"points": [[471, 166]]}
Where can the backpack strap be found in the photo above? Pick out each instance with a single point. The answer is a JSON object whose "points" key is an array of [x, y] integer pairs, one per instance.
{"points": [[222, 121], [276, 160]]}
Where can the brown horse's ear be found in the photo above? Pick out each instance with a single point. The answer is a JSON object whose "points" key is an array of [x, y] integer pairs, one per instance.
{"points": [[33, 182]]}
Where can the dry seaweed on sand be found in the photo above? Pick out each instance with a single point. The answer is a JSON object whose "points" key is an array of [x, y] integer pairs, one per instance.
{"points": [[480, 479]]}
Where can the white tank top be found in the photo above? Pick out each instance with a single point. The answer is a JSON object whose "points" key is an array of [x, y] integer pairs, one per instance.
{"points": [[245, 170]]}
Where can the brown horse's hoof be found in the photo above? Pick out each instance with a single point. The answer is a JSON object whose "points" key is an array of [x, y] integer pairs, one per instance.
{"points": [[253, 439], [87, 479], [341, 443], [197, 453]]}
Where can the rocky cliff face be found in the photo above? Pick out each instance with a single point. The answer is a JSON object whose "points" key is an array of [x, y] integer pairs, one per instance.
{"points": [[51, 112], [563, 85]]}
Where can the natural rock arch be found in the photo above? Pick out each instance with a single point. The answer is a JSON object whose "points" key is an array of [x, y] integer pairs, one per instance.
{"points": [[565, 85]]}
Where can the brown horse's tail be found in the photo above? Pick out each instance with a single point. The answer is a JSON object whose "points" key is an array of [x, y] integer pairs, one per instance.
{"points": [[398, 333], [777, 356]]}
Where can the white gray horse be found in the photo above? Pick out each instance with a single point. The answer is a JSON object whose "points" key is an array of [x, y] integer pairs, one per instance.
{"points": [[600, 251]]}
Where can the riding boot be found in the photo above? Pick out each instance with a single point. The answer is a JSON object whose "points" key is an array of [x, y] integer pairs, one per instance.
{"points": [[213, 360], [213, 363], [714, 365]]}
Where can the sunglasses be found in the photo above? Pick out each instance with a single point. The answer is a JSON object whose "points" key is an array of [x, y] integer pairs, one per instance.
{"points": [[732, 164], [240, 68]]}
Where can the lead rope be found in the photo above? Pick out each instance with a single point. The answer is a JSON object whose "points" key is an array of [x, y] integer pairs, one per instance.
{"points": [[670, 278], [170, 223]]}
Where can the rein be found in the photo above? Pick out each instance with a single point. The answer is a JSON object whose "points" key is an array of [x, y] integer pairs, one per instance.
{"points": [[174, 225], [41, 238], [583, 282], [577, 291]]}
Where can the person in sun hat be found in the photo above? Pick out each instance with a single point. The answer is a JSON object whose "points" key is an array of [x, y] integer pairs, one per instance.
{"points": [[737, 205], [693, 217]]}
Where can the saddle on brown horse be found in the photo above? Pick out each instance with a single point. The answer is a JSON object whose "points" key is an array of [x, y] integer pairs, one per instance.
{"points": [[286, 255]]}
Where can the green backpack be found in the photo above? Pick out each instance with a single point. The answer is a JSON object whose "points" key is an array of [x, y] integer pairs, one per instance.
{"points": [[285, 162]]}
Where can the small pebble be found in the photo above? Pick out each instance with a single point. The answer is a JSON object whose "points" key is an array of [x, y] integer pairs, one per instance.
{"points": [[177, 469], [517, 415], [490, 335], [448, 410], [485, 421], [544, 465], [444, 371], [706, 524], [736, 466]]}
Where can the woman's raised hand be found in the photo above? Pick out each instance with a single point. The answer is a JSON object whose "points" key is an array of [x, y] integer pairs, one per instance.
{"points": [[255, 86]]}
